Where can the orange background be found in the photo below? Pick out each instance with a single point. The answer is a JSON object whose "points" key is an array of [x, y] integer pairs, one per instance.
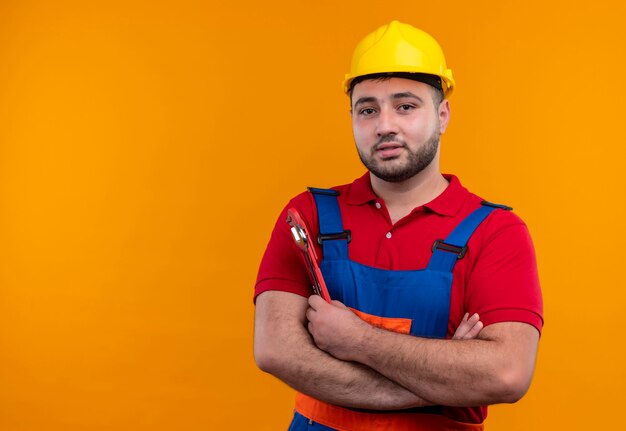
{"points": [[146, 148]]}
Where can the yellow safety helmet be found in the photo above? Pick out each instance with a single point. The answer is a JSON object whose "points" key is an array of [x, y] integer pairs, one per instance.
{"points": [[401, 48]]}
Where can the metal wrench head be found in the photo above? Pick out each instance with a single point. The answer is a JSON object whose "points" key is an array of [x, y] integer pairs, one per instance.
{"points": [[300, 237]]}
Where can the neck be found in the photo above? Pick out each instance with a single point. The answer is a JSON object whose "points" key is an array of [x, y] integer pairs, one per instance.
{"points": [[401, 198]]}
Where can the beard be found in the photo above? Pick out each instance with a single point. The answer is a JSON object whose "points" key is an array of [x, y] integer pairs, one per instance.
{"points": [[416, 162]]}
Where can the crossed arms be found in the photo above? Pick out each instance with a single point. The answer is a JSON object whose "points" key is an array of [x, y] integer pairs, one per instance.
{"points": [[326, 351]]}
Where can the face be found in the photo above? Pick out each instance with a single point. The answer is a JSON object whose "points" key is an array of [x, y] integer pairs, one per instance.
{"points": [[396, 127]]}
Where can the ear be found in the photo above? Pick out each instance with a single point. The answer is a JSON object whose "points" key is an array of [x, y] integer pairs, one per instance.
{"points": [[444, 115]]}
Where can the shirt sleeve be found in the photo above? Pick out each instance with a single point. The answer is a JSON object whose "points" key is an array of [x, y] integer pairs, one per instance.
{"points": [[504, 284], [283, 266]]}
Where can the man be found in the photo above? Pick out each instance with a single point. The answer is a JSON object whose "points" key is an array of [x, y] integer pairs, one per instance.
{"points": [[408, 254]]}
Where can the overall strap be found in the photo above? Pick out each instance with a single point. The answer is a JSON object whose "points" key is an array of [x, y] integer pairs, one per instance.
{"points": [[447, 252], [333, 238]]}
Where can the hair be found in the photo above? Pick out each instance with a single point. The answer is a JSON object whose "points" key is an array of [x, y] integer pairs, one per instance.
{"points": [[432, 80]]}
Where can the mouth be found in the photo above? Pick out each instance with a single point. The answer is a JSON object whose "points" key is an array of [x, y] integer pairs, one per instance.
{"points": [[388, 150]]}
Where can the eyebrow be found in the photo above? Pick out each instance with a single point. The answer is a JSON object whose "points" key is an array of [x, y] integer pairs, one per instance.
{"points": [[406, 94], [363, 100], [403, 95]]}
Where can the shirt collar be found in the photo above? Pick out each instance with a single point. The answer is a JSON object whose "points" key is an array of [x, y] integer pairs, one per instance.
{"points": [[448, 203], [360, 191]]}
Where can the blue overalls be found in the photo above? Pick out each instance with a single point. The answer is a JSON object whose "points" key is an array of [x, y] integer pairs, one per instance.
{"points": [[421, 297]]}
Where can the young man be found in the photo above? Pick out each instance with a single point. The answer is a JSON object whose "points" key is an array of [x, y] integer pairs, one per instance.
{"points": [[408, 254]]}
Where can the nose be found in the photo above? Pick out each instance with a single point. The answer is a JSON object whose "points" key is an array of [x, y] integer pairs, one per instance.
{"points": [[386, 122]]}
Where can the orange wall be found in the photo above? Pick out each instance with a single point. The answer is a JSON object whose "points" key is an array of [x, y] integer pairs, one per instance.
{"points": [[146, 148]]}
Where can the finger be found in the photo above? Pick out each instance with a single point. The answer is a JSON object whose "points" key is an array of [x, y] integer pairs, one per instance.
{"points": [[316, 301], [472, 333], [471, 328], [462, 329], [309, 314], [473, 320], [338, 303]]}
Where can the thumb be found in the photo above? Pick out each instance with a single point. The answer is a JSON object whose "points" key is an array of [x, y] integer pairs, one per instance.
{"points": [[338, 303]]}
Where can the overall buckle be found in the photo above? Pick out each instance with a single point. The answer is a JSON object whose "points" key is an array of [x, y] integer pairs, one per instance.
{"points": [[346, 234], [440, 245]]}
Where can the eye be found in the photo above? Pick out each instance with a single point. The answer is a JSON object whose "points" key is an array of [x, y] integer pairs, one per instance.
{"points": [[405, 107], [367, 111]]}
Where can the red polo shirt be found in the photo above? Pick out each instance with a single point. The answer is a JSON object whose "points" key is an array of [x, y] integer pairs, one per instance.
{"points": [[497, 278]]}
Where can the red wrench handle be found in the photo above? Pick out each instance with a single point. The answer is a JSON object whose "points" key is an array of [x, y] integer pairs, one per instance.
{"points": [[302, 237]]}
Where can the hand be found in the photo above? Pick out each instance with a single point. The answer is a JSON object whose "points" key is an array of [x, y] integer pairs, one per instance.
{"points": [[468, 328], [334, 328]]}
